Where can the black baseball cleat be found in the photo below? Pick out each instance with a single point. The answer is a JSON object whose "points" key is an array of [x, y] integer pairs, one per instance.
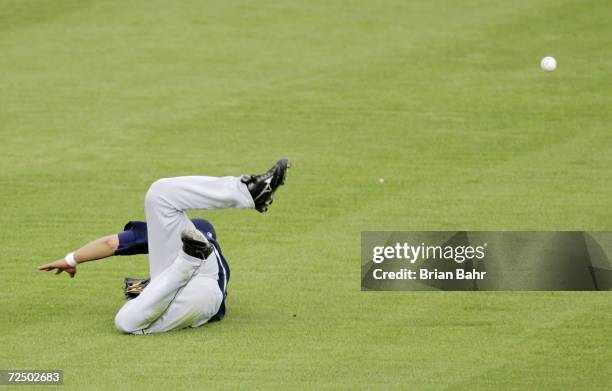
{"points": [[196, 244], [262, 187], [134, 286]]}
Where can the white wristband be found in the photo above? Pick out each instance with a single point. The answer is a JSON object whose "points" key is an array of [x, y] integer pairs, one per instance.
{"points": [[70, 260]]}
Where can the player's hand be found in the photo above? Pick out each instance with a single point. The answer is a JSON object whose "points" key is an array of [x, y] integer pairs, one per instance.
{"points": [[60, 266]]}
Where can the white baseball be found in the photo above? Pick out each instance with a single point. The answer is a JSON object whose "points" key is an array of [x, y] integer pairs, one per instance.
{"points": [[548, 64]]}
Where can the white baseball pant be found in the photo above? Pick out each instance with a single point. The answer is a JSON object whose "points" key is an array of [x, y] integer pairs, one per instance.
{"points": [[184, 290]]}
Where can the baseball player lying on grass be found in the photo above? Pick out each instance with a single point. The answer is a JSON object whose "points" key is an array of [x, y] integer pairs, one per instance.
{"points": [[189, 275]]}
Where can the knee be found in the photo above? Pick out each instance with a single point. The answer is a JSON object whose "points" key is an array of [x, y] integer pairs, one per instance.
{"points": [[156, 193], [122, 323]]}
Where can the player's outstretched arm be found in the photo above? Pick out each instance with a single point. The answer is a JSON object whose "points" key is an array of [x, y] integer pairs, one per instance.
{"points": [[98, 249]]}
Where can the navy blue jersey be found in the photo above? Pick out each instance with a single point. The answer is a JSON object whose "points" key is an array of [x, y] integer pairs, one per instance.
{"points": [[133, 240]]}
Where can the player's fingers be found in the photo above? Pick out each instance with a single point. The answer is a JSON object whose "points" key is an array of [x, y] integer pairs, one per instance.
{"points": [[48, 268]]}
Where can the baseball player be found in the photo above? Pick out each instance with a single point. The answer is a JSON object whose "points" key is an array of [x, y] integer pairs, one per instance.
{"points": [[189, 274]]}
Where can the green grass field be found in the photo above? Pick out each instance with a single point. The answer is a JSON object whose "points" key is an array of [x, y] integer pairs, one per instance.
{"points": [[445, 100]]}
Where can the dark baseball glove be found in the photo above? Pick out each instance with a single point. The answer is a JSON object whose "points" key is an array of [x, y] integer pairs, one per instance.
{"points": [[133, 286]]}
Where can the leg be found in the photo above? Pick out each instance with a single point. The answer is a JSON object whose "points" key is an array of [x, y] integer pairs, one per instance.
{"points": [[158, 300], [166, 201], [185, 292], [193, 306]]}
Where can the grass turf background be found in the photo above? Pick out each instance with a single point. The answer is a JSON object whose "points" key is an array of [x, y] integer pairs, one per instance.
{"points": [[443, 99]]}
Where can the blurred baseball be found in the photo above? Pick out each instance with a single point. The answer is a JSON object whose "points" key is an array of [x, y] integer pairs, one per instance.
{"points": [[548, 64]]}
